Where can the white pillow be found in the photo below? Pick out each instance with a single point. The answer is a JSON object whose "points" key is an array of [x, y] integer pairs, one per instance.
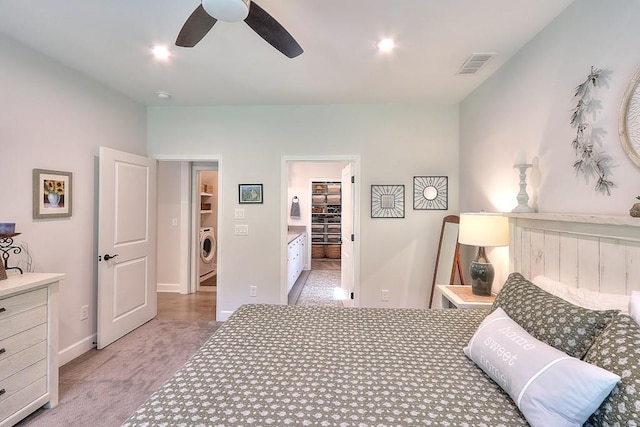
{"points": [[634, 306], [549, 387], [583, 297]]}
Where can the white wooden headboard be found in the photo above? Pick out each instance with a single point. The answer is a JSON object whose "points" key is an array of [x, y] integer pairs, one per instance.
{"points": [[599, 253]]}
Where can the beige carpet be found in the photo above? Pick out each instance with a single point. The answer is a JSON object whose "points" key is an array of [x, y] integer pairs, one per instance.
{"points": [[103, 387]]}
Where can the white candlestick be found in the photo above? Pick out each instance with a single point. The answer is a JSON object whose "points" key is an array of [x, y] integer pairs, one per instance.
{"points": [[520, 159]]}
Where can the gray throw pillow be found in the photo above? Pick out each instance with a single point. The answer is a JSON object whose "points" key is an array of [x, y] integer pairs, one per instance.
{"points": [[550, 319], [617, 350]]}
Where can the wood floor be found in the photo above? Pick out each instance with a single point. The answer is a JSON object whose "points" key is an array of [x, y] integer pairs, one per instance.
{"points": [[202, 304], [197, 306]]}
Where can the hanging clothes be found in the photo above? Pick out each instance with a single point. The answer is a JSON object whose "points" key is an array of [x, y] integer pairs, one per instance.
{"points": [[295, 208]]}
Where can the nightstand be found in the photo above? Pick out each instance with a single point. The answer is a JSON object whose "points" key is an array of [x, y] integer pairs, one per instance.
{"points": [[458, 296]]}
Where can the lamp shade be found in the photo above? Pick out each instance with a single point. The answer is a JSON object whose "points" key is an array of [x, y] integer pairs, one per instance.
{"points": [[483, 229]]}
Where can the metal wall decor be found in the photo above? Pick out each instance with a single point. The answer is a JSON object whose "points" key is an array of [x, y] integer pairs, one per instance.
{"points": [[629, 121], [387, 201], [591, 160], [430, 193]]}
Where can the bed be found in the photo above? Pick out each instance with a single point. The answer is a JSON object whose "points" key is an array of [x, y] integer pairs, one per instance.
{"points": [[282, 365]]}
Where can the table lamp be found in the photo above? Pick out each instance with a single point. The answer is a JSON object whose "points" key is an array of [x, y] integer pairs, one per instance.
{"points": [[482, 230]]}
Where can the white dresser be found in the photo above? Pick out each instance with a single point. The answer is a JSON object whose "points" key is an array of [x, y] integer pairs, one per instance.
{"points": [[28, 344]]}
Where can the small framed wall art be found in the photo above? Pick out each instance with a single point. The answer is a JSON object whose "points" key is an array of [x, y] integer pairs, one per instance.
{"points": [[250, 193], [52, 196], [430, 193], [387, 201]]}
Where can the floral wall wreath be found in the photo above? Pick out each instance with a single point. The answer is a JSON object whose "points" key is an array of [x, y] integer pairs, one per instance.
{"points": [[591, 160]]}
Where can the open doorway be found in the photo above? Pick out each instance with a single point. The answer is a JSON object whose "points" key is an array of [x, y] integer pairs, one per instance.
{"points": [[318, 195], [188, 244]]}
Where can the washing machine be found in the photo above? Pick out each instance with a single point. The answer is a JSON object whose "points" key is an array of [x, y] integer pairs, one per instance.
{"points": [[207, 252]]}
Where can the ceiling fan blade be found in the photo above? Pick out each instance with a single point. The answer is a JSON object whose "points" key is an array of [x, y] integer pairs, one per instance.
{"points": [[271, 31], [196, 27]]}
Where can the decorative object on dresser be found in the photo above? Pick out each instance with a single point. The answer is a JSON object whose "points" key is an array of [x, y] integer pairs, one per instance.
{"points": [[635, 209], [523, 198], [629, 120], [250, 193], [430, 192], [7, 247], [481, 230], [590, 160], [387, 201], [29, 340], [52, 194]]}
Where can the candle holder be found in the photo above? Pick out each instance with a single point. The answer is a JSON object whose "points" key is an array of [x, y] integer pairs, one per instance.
{"points": [[6, 246], [523, 197]]}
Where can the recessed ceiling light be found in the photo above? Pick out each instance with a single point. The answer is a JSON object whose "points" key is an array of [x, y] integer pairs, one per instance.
{"points": [[161, 53], [163, 95], [386, 45]]}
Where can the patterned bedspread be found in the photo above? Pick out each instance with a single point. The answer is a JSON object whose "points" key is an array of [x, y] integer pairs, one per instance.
{"points": [[272, 365]]}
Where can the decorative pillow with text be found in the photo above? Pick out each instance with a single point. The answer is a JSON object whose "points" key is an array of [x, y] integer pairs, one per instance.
{"points": [[549, 387]]}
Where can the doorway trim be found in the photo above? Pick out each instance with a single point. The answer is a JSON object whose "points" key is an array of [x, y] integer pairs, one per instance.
{"points": [[284, 207], [189, 259]]}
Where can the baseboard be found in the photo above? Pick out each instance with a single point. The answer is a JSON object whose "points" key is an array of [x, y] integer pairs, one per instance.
{"points": [[224, 316], [169, 287], [75, 350]]}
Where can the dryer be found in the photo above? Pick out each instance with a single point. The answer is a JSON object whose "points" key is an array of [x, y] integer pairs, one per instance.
{"points": [[207, 253]]}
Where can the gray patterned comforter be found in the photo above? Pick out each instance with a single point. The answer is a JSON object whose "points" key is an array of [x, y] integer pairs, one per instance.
{"points": [[271, 365]]}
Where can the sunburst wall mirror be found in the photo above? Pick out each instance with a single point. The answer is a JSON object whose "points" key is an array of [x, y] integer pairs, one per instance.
{"points": [[629, 124], [387, 201], [430, 192]]}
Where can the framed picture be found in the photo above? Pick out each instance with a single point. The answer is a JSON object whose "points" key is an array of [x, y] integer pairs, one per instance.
{"points": [[387, 201], [250, 193], [52, 195], [430, 193]]}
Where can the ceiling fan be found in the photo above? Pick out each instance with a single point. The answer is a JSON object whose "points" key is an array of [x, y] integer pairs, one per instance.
{"points": [[210, 11]]}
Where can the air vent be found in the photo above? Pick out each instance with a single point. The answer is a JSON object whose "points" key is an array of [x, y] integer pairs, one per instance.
{"points": [[475, 62]]}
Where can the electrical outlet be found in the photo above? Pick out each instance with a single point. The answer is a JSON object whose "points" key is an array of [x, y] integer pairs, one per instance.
{"points": [[384, 295], [253, 291], [174, 222], [84, 312]]}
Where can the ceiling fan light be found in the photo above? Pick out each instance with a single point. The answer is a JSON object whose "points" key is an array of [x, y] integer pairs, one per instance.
{"points": [[227, 10]]}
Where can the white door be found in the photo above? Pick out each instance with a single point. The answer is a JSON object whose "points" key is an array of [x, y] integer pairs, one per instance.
{"points": [[346, 261], [126, 244]]}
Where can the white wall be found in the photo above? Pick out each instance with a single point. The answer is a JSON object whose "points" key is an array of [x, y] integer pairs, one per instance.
{"points": [[394, 142], [54, 118], [169, 207], [527, 105]]}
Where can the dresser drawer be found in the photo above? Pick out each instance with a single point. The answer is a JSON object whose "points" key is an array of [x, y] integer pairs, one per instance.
{"points": [[22, 360], [22, 302], [16, 343], [22, 389], [22, 321]]}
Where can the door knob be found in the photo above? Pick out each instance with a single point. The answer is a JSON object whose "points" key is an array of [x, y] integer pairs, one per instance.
{"points": [[107, 257]]}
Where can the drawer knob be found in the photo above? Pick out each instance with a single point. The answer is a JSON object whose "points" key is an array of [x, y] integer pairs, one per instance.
{"points": [[3, 391], [2, 350], [2, 309]]}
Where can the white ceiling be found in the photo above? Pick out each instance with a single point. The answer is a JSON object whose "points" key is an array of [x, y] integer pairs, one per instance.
{"points": [[110, 41]]}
